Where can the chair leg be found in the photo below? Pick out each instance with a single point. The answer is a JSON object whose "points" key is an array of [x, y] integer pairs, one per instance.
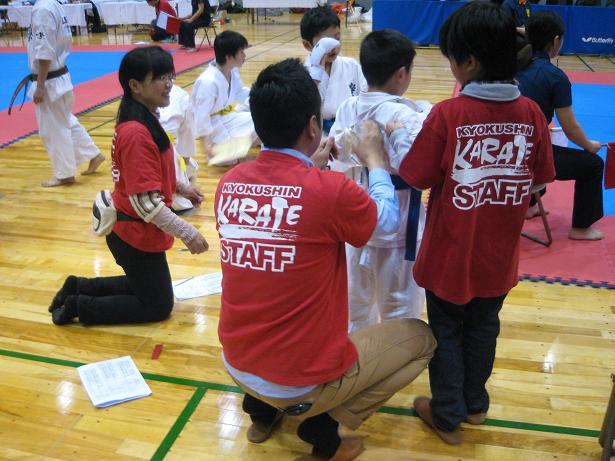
{"points": [[545, 223], [607, 434]]}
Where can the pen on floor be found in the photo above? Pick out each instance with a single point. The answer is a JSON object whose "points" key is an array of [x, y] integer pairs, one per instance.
{"points": [[184, 281]]}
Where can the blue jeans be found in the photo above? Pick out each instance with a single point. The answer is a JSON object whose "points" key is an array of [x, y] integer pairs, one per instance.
{"points": [[463, 361]]}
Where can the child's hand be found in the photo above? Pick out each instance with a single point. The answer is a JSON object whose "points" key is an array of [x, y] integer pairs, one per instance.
{"points": [[392, 126], [326, 46]]}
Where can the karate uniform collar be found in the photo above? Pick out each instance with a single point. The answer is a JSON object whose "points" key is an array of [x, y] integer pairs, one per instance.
{"points": [[292, 152], [492, 91]]}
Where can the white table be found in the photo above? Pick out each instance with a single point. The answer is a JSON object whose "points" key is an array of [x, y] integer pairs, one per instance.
{"points": [[75, 13], [252, 6], [115, 13]]}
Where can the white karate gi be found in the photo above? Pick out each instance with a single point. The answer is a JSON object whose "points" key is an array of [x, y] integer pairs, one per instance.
{"points": [[177, 119], [380, 281], [67, 142], [221, 111], [346, 80]]}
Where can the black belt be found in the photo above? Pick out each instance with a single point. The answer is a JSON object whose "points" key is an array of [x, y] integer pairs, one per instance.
{"points": [[124, 217], [31, 78]]}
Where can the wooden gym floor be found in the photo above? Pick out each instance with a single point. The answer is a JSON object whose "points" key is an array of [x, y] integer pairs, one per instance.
{"points": [[549, 388]]}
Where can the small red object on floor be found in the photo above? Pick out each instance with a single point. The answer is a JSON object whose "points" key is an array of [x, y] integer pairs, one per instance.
{"points": [[609, 169], [156, 352]]}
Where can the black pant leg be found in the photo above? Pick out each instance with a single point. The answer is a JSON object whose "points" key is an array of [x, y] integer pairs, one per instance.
{"points": [[446, 368], [321, 432], [586, 169], [481, 327], [259, 411], [150, 297]]}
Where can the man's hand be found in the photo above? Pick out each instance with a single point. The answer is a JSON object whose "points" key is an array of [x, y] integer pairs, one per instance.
{"points": [[327, 150], [39, 94], [197, 245], [188, 20], [194, 195], [369, 146]]}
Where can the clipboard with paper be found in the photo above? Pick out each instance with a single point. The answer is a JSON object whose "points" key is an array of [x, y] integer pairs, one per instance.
{"points": [[167, 22]]}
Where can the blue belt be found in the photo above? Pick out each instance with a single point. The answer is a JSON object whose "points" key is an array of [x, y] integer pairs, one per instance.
{"points": [[327, 123], [412, 227]]}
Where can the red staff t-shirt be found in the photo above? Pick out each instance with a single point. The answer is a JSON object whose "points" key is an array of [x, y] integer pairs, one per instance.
{"points": [[282, 226], [480, 158], [164, 5], [137, 167]]}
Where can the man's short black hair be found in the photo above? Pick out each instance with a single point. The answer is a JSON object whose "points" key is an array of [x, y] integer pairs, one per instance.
{"points": [[383, 52], [487, 32], [228, 43], [317, 20], [282, 101], [542, 28]]}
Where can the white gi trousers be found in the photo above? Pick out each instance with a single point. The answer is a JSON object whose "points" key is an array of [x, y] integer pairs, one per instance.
{"points": [[68, 144], [381, 286]]}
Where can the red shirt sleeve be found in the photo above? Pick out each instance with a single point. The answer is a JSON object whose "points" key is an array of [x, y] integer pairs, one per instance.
{"points": [[141, 159], [355, 214], [422, 167]]}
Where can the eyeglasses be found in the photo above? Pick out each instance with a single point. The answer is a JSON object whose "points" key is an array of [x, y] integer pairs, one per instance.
{"points": [[166, 78]]}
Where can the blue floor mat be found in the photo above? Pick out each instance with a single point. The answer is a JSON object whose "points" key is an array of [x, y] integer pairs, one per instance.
{"points": [[83, 65], [594, 107]]}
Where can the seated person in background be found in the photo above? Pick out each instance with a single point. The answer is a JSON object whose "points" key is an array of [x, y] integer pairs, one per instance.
{"points": [[177, 120], [219, 99], [380, 281], [338, 77], [156, 33], [521, 10], [283, 222], [550, 88], [200, 17], [143, 173]]}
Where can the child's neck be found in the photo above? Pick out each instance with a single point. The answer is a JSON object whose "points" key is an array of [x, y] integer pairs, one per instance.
{"points": [[386, 88], [226, 70]]}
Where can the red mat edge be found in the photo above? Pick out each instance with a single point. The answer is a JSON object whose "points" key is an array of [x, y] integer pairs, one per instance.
{"points": [[84, 102]]}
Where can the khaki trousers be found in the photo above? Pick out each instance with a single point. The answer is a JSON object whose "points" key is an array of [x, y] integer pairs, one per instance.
{"points": [[391, 355]]}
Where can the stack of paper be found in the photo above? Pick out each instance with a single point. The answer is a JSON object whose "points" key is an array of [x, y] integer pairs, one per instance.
{"points": [[201, 285], [113, 381]]}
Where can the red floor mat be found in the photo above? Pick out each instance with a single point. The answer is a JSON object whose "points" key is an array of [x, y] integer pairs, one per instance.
{"points": [[90, 94], [568, 261]]}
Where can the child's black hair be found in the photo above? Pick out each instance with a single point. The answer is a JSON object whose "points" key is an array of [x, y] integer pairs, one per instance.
{"points": [[317, 20], [228, 43], [383, 52], [542, 27]]}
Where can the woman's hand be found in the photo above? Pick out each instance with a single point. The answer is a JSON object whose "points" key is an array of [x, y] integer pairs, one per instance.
{"points": [[197, 245]]}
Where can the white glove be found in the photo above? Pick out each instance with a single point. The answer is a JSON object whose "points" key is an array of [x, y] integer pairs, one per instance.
{"points": [[324, 46]]}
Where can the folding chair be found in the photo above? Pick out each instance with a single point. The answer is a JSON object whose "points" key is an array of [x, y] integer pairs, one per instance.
{"points": [[545, 223], [607, 434], [210, 27]]}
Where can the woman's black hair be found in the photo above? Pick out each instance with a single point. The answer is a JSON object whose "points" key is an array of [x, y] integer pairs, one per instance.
{"points": [[487, 32], [542, 28], [137, 64]]}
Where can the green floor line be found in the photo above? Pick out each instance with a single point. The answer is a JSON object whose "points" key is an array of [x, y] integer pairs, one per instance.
{"points": [[179, 425], [387, 410]]}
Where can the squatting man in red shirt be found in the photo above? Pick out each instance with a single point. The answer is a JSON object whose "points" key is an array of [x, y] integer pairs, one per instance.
{"points": [[283, 222]]}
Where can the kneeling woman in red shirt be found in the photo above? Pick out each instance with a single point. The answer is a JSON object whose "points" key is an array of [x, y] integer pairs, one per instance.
{"points": [[144, 176]]}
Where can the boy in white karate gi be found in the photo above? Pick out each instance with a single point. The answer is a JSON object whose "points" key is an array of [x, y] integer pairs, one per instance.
{"points": [[381, 285], [177, 119], [219, 98], [67, 142], [337, 77]]}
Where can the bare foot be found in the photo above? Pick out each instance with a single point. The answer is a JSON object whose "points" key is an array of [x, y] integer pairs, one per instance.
{"points": [[54, 182], [94, 164], [349, 449], [589, 233], [533, 211]]}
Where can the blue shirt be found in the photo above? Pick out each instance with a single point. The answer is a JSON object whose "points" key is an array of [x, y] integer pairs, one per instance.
{"points": [[545, 84], [520, 13]]}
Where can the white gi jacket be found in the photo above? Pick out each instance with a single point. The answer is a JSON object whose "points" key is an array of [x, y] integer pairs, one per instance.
{"points": [[219, 107], [346, 80], [49, 38]]}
